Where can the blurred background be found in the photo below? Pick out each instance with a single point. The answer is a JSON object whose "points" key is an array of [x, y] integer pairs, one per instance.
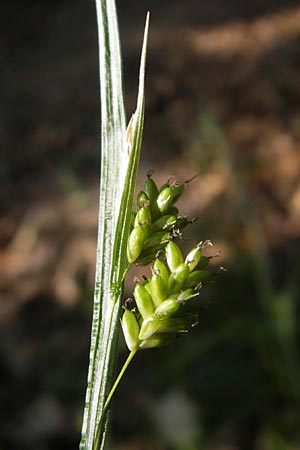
{"points": [[223, 100]]}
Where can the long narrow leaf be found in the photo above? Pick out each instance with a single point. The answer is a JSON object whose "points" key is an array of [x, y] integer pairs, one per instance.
{"points": [[119, 161], [134, 140], [113, 146]]}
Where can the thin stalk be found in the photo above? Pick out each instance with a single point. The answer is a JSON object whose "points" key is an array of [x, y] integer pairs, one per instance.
{"points": [[122, 371], [110, 395]]}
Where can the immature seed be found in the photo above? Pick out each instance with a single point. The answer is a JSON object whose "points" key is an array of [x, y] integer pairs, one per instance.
{"points": [[151, 189], [142, 200], [173, 255], [174, 325], [178, 278], [185, 295], [199, 277], [143, 219], [144, 301], [152, 192], [131, 329], [163, 223], [167, 308], [157, 340], [158, 289], [165, 199], [148, 328], [160, 268], [178, 190], [135, 244], [193, 257], [156, 239]]}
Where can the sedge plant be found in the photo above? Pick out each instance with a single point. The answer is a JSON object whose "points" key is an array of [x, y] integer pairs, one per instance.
{"points": [[165, 305]]}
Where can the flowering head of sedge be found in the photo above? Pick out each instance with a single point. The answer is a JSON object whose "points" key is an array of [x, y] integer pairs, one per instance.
{"points": [[164, 306]]}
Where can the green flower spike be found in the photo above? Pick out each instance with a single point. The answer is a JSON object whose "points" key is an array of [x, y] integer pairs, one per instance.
{"points": [[166, 303], [158, 218], [162, 301]]}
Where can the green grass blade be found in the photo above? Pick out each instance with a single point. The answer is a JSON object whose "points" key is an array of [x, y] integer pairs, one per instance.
{"points": [[134, 139], [113, 146], [119, 162]]}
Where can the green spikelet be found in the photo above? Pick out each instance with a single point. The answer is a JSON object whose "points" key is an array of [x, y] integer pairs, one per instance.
{"points": [[178, 190], [178, 278], [160, 268], [193, 257], [167, 308], [173, 255], [163, 223], [151, 190], [142, 200], [131, 329], [135, 244], [157, 340], [144, 301], [158, 289], [143, 220], [165, 199], [199, 277], [163, 301], [148, 328]]}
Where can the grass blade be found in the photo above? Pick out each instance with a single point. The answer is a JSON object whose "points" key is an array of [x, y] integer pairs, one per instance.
{"points": [[119, 163]]}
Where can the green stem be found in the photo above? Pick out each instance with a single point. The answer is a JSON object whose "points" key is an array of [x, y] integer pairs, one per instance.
{"points": [[112, 391], [109, 397], [119, 164]]}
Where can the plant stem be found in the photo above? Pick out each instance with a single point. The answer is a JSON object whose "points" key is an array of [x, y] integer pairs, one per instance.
{"points": [[118, 176], [122, 371], [114, 163], [110, 395]]}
